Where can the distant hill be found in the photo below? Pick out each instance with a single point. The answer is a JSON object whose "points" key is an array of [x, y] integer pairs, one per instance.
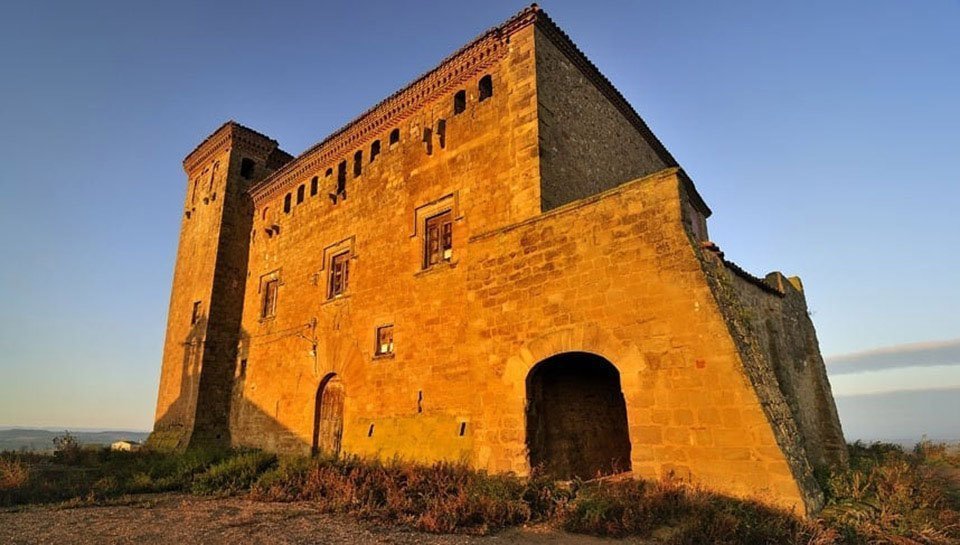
{"points": [[42, 440]]}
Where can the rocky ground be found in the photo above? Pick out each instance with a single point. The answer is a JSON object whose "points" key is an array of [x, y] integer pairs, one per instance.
{"points": [[177, 518]]}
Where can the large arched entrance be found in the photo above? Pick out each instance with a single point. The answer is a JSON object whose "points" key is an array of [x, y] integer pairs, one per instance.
{"points": [[328, 416], [577, 417]]}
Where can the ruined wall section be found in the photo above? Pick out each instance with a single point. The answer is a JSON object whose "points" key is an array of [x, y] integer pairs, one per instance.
{"points": [[207, 293], [617, 275], [777, 320], [587, 143], [411, 403]]}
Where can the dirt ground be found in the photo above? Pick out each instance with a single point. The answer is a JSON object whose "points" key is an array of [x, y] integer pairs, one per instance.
{"points": [[176, 518]]}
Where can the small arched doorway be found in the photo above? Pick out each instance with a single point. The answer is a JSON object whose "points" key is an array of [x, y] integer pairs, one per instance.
{"points": [[328, 416], [577, 417]]}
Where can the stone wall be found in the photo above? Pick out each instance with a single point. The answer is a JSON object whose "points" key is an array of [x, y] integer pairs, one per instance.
{"points": [[587, 145]]}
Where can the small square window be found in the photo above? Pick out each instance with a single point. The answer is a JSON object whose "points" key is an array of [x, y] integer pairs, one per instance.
{"points": [[438, 239], [339, 275], [271, 288], [384, 340], [197, 309]]}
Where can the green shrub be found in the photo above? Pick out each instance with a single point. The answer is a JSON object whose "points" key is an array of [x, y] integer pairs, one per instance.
{"points": [[234, 474]]}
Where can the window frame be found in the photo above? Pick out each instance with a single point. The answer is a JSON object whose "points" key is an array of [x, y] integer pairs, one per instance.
{"points": [[378, 349], [338, 282], [270, 295], [442, 235], [196, 312]]}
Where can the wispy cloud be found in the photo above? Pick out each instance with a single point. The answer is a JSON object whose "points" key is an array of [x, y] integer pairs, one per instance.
{"points": [[924, 354]]}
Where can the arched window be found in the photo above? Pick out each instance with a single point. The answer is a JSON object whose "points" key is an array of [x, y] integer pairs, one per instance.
{"points": [[314, 185], [301, 192], [394, 136], [459, 102], [264, 215], [357, 163], [374, 150], [193, 198], [485, 87], [286, 203]]}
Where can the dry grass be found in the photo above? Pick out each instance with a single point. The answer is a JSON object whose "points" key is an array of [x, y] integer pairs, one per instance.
{"points": [[13, 473], [888, 495]]}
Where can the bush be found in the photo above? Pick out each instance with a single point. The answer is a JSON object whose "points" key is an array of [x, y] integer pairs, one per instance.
{"points": [[13, 473], [234, 474], [66, 448]]}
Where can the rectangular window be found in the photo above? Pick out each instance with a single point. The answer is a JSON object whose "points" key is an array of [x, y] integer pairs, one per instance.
{"points": [[384, 340], [339, 275], [269, 306], [438, 239], [195, 317]]}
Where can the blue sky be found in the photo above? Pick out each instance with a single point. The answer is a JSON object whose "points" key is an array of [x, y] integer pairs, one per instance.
{"points": [[824, 135]]}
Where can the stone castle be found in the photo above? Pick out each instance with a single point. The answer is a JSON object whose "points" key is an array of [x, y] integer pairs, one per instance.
{"points": [[499, 264]]}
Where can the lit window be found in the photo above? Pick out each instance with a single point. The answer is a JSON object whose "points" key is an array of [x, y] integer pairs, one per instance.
{"points": [[438, 239], [339, 275], [384, 340], [268, 307]]}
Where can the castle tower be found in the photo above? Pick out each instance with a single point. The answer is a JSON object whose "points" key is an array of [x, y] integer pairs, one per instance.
{"points": [[206, 301]]}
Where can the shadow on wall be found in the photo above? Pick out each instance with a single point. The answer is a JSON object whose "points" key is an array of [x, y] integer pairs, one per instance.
{"points": [[178, 427]]}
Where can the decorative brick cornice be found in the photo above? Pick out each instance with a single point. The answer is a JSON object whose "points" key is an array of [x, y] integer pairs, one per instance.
{"points": [[229, 132], [461, 66]]}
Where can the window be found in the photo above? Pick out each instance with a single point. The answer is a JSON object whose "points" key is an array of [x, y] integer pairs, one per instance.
{"points": [[213, 174], [442, 133], [286, 203], [394, 136], [195, 317], [485, 87], [246, 168], [374, 150], [384, 340], [428, 140], [269, 305], [301, 192], [339, 275], [314, 186], [438, 239], [357, 163], [459, 102]]}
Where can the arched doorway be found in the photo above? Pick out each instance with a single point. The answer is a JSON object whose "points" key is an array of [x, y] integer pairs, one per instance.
{"points": [[577, 417], [328, 416]]}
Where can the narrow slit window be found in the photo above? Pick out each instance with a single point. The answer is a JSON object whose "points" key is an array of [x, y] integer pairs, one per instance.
{"points": [[301, 193], [394, 136], [438, 239], [357, 163], [384, 340], [195, 316], [314, 186], [374, 150], [459, 102], [341, 177], [268, 307], [339, 275], [286, 203], [485, 87]]}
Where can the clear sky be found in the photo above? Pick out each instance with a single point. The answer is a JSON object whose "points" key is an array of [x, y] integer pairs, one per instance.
{"points": [[825, 136]]}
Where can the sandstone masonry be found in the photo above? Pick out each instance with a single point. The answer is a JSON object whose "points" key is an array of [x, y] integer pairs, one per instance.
{"points": [[499, 264]]}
